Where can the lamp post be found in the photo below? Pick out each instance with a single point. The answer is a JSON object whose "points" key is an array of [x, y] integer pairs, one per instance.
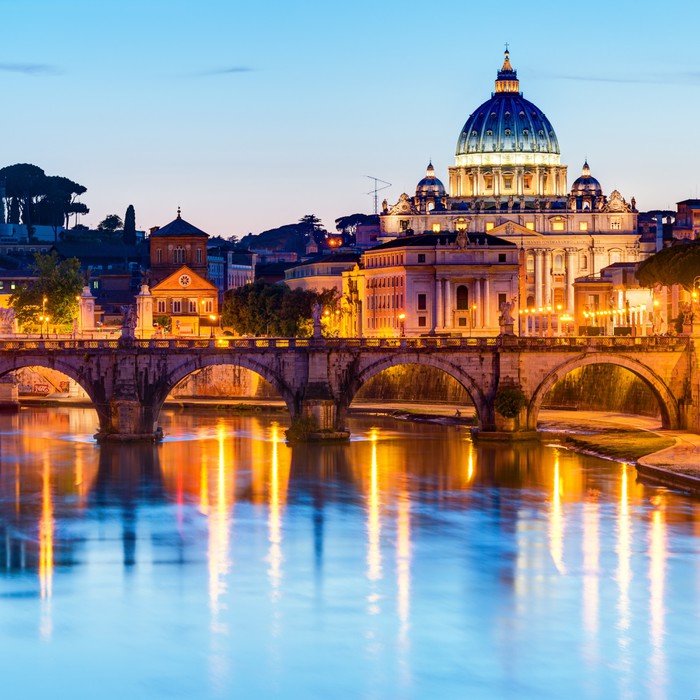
{"points": [[41, 327], [212, 320], [402, 319]]}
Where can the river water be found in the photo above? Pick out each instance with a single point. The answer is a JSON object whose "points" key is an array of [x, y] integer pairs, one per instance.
{"points": [[407, 564]]}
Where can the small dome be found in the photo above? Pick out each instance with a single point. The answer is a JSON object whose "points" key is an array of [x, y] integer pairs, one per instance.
{"points": [[586, 184], [430, 186]]}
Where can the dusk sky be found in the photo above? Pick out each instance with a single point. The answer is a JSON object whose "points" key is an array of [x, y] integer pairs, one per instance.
{"points": [[250, 115]]}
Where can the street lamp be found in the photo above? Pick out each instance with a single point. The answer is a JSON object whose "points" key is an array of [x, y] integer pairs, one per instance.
{"points": [[402, 318], [41, 327], [212, 320]]}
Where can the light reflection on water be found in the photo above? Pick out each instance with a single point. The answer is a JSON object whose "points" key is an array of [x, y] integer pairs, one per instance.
{"points": [[409, 563]]}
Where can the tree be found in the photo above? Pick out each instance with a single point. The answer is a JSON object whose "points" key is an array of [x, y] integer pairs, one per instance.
{"points": [[273, 309], [679, 264], [347, 225], [58, 281], [39, 199], [129, 235], [110, 224]]}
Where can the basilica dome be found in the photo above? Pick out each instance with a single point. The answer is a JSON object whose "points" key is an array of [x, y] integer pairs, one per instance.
{"points": [[586, 184], [508, 125], [430, 185]]}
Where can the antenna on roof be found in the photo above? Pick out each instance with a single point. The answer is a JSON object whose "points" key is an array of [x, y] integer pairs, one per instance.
{"points": [[377, 189]]}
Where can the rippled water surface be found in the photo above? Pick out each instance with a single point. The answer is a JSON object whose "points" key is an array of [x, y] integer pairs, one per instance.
{"points": [[407, 564]]}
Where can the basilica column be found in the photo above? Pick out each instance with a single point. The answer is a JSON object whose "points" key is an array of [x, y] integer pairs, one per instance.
{"points": [[439, 306], [538, 276], [477, 303], [547, 277], [487, 303], [570, 276], [448, 304]]}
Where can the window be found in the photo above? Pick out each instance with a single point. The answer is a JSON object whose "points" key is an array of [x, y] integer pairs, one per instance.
{"points": [[159, 255], [422, 302], [462, 321], [501, 257], [436, 228], [615, 256], [490, 225], [177, 306], [530, 264], [403, 225], [462, 298], [502, 298], [160, 304], [421, 321], [558, 263], [199, 255], [461, 225], [208, 306], [508, 183], [2, 284], [527, 180], [421, 257], [557, 225], [193, 306], [530, 225], [615, 225], [488, 182], [584, 262], [583, 226], [179, 255]]}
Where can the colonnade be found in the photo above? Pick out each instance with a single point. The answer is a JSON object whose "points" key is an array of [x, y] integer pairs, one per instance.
{"points": [[543, 277], [479, 309]]}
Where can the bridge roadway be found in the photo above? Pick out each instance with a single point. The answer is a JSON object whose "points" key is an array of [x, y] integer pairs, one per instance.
{"points": [[129, 380]]}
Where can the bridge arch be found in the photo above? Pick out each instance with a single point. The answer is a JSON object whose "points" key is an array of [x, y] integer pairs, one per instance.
{"points": [[484, 413], [176, 375], [58, 364], [668, 405]]}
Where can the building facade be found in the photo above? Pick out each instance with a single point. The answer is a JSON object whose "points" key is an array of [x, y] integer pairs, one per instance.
{"points": [[432, 284]]}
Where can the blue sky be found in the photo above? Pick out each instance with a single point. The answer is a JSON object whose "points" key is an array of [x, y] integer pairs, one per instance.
{"points": [[250, 115]]}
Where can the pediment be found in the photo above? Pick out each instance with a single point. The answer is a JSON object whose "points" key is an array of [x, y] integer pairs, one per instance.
{"points": [[511, 228], [171, 283]]}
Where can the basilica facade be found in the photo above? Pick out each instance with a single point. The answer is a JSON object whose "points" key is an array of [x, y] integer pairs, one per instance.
{"points": [[508, 182]]}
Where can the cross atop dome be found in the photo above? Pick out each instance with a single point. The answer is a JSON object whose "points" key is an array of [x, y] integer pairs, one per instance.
{"points": [[507, 78]]}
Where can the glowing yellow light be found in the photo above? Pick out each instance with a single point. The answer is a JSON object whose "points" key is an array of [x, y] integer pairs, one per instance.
{"points": [[556, 522], [374, 555]]}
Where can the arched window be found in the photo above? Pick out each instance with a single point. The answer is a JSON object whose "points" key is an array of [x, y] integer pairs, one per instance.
{"points": [[159, 255], [179, 255], [584, 262], [462, 298], [558, 263], [615, 256]]}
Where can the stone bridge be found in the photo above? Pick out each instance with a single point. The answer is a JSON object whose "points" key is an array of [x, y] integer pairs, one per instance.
{"points": [[129, 380]]}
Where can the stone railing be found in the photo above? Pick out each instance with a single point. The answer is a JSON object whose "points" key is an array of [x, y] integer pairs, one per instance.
{"points": [[512, 343]]}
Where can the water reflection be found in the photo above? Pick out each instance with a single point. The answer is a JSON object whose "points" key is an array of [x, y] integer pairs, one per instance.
{"points": [[408, 562]]}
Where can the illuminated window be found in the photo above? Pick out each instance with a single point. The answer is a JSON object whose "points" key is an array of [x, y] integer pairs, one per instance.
{"points": [[583, 226], [557, 225], [489, 225], [488, 182], [530, 225], [461, 225], [508, 183], [436, 228]]}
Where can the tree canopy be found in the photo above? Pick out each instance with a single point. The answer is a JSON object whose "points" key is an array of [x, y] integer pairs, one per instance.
{"points": [[679, 264], [290, 237], [110, 224], [58, 281], [273, 309], [37, 199]]}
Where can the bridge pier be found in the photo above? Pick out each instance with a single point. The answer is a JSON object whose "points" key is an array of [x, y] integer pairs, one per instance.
{"points": [[127, 420], [9, 394]]}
